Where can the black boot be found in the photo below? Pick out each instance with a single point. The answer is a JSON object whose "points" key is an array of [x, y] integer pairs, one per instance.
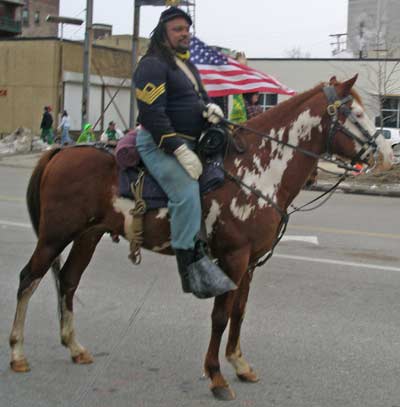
{"points": [[200, 275]]}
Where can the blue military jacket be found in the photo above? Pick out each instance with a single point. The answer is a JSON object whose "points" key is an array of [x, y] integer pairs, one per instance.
{"points": [[169, 106]]}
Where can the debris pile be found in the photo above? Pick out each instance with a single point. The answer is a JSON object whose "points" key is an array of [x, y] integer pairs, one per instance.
{"points": [[21, 141]]}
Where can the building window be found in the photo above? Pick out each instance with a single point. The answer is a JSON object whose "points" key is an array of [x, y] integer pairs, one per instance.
{"points": [[268, 100], [37, 17], [391, 112], [25, 17]]}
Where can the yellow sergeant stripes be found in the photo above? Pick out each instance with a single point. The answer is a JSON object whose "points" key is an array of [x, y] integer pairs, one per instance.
{"points": [[165, 136], [150, 93]]}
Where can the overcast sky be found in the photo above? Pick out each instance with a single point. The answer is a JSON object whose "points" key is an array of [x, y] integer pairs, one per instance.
{"points": [[260, 28]]}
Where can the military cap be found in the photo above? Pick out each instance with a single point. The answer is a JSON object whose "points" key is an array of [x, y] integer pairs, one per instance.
{"points": [[174, 12]]}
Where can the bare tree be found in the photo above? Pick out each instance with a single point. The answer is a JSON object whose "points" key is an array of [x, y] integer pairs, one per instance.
{"points": [[383, 75], [297, 53]]}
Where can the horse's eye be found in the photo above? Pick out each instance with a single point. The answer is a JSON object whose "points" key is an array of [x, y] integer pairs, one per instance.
{"points": [[359, 115]]}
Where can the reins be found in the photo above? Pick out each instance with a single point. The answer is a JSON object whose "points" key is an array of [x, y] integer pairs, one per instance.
{"points": [[335, 105]]}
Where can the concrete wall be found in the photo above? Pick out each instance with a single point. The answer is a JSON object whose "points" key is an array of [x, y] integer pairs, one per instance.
{"points": [[28, 74], [302, 75]]}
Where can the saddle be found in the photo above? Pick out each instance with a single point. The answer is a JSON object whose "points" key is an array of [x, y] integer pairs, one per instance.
{"points": [[151, 192]]}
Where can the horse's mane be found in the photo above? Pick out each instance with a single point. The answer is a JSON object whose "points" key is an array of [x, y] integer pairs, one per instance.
{"points": [[280, 110]]}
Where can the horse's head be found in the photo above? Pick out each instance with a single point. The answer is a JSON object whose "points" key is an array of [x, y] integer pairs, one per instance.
{"points": [[351, 133]]}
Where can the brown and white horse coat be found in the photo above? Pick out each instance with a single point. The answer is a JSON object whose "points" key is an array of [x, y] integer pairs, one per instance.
{"points": [[241, 226]]}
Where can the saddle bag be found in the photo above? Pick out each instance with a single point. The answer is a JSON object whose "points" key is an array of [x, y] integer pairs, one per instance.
{"points": [[126, 153]]}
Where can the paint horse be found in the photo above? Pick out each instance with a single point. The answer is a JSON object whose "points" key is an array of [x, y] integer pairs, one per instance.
{"points": [[72, 197]]}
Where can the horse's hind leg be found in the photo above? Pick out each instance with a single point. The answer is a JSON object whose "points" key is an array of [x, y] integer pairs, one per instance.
{"points": [[70, 275], [233, 351], [29, 279]]}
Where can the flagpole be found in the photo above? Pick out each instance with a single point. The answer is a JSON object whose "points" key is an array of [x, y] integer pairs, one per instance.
{"points": [[135, 43]]}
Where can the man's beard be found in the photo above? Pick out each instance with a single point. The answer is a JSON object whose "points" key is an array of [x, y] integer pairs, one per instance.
{"points": [[182, 48]]}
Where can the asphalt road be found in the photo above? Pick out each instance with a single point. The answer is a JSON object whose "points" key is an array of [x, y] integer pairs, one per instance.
{"points": [[322, 326]]}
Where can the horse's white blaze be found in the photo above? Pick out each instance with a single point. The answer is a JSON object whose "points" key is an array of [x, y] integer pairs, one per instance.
{"points": [[212, 217], [267, 178], [384, 146], [237, 162], [17, 333], [68, 331], [124, 205], [162, 213]]}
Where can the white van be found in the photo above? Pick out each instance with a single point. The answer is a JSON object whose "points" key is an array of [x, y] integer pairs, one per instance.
{"points": [[393, 135]]}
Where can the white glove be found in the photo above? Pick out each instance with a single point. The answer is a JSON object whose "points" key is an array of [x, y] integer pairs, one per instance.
{"points": [[213, 114], [189, 161]]}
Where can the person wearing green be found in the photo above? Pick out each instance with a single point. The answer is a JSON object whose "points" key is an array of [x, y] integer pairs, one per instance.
{"points": [[238, 112], [110, 135], [87, 135], [46, 126]]}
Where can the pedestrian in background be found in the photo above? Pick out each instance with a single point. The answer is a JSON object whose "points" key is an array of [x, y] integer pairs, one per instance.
{"points": [[110, 135], [64, 127], [87, 135], [46, 126], [252, 101]]}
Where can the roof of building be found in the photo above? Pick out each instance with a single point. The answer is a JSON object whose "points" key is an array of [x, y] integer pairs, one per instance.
{"points": [[16, 2]]}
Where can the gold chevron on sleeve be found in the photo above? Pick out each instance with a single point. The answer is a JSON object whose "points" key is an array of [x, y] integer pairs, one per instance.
{"points": [[150, 93], [163, 137]]}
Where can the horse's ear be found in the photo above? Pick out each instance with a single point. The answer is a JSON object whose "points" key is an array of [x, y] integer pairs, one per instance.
{"points": [[333, 81], [347, 85]]}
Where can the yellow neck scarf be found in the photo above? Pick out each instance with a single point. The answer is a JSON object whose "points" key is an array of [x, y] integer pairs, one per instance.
{"points": [[184, 56]]}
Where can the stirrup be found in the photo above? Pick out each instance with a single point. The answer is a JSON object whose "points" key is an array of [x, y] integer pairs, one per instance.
{"points": [[207, 280]]}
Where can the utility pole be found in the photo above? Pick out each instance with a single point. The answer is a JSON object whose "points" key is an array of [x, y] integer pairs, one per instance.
{"points": [[87, 52], [135, 47], [338, 44]]}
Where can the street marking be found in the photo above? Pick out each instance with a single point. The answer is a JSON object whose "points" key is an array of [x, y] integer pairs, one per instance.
{"points": [[345, 231], [307, 239], [18, 224], [11, 198], [337, 262]]}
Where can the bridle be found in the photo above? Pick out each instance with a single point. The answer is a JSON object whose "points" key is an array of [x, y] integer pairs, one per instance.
{"points": [[341, 106]]}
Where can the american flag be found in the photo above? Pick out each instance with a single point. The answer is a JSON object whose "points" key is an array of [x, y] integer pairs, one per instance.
{"points": [[222, 75]]}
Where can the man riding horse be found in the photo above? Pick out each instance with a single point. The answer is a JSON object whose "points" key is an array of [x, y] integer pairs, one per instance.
{"points": [[173, 108]]}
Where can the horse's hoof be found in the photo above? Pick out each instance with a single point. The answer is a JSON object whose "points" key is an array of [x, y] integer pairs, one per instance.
{"points": [[20, 366], [223, 393], [83, 358], [249, 377]]}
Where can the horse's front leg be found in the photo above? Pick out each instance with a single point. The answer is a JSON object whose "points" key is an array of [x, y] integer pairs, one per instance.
{"points": [[234, 265], [70, 275], [233, 351]]}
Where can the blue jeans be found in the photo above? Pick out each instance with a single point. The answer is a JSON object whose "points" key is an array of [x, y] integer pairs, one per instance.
{"points": [[183, 193], [65, 138]]}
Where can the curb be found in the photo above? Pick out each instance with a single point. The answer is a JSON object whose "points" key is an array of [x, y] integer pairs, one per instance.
{"points": [[382, 190]]}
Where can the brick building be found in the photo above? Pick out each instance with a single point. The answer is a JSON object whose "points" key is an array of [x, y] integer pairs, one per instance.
{"points": [[33, 18], [10, 17]]}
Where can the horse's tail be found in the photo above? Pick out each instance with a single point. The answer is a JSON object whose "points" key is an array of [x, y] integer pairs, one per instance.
{"points": [[33, 202], [33, 191]]}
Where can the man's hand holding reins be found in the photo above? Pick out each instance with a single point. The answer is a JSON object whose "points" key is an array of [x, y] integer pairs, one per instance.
{"points": [[213, 113], [189, 161]]}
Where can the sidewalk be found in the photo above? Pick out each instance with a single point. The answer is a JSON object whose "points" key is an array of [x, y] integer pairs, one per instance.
{"points": [[367, 184], [349, 186]]}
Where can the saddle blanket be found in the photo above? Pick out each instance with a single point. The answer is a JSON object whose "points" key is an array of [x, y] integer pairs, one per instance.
{"points": [[211, 178]]}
